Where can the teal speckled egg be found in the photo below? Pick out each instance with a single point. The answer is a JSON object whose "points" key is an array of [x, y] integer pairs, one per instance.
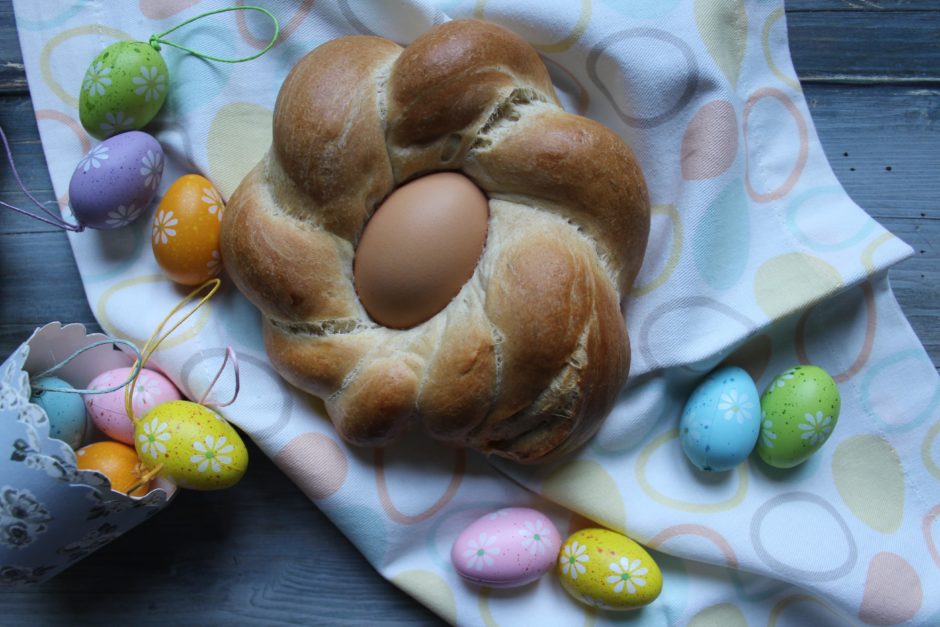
{"points": [[799, 410], [66, 410], [196, 447], [123, 89]]}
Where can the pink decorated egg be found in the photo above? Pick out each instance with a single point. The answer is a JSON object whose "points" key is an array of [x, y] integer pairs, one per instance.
{"points": [[107, 410], [507, 548]]}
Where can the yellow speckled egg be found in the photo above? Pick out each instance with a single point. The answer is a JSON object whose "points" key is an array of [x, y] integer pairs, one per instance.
{"points": [[186, 229], [608, 570], [198, 449]]}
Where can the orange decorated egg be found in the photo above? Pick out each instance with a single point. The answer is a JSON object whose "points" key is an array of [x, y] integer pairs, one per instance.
{"points": [[118, 462], [186, 229]]}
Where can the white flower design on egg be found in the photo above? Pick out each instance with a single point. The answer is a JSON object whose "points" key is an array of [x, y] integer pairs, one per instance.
{"points": [[94, 158], [150, 84], [213, 202], [480, 552], [628, 576], [116, 122], [816, 427], [151, 168], [122, 216], [153, 438], [781, 381], [210, 452], [163, 227], [571, 559], [96, 79], [534, 535], [735, 405]]}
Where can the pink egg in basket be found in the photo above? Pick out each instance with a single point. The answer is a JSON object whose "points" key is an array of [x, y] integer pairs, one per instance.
{"points": [[107, 410], [507, 548]]}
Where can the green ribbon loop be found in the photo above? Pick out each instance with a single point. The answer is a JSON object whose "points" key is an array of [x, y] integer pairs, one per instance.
{"points": [[157, 38]]}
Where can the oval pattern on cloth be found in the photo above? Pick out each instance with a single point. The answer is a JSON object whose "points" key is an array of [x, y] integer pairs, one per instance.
{"points": [[930, 459], [661, 102], [525, 21], [929, 526], [642, 9], [893, 591], [722, 25], [315, 463], [868, 475], [195, 83], [887, 403], [680, 331], [431, 590], [585, 487], [287, 29], [658, 243], [838, 324], [821, 545], [688, 483], [710, 142], [723, 239], [239, 136], [385, 19], [721, 615], [385, 497], [162, 9], [788, 281], [767, 138]]}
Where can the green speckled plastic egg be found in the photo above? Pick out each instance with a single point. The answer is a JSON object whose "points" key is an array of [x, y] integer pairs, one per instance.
{"points": [[799, 410], [197, 448], [123, 89]]}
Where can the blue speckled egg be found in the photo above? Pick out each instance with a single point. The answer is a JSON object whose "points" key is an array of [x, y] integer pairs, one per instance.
{"points": [[66, 410], [116, 180], [721, 420]]}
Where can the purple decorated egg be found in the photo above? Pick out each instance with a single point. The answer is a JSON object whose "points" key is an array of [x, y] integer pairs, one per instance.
{"points": [[116, 180], [107, 410], [507, 548]]}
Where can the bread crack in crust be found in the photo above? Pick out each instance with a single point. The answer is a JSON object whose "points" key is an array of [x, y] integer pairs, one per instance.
{"points": [[527, 359]]}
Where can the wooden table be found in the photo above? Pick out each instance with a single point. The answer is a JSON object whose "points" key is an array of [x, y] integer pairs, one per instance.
{"points": [[262, 553]]}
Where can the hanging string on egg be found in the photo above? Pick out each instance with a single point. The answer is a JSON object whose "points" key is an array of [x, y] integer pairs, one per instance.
{"points": [[182, 441], [114, 341], [49, 217], [127, 83], [63, 404]]}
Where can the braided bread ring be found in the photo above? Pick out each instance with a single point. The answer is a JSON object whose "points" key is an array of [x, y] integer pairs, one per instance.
{"points": [[527, 359]]}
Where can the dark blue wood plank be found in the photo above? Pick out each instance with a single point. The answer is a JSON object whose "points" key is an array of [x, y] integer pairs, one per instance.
{"points": [[868, 6], [866, 46]]}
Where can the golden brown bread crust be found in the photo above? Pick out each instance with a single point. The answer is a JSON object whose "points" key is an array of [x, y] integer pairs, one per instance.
{"points": [[528, 358]]}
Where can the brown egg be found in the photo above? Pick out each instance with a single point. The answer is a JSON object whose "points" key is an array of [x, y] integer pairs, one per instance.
{"points": [[419, 248]]}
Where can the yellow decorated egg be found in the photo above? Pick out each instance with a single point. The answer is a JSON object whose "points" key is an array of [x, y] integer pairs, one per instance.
{"points": [[196, 447], [186, 229], [608, 570]]}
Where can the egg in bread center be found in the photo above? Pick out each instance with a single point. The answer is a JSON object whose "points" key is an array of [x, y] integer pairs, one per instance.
{"points": [[419, 248]]}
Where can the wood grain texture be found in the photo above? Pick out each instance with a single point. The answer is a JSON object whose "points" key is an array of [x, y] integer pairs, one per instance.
{"points": [[868, 6], [261, 553], [866, 46]]}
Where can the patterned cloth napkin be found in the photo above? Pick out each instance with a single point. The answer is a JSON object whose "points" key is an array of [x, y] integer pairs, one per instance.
{"points": [[757, 256]]}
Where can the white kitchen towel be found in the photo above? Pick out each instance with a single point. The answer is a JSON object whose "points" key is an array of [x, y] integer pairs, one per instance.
{"points": [[756, 255]]}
